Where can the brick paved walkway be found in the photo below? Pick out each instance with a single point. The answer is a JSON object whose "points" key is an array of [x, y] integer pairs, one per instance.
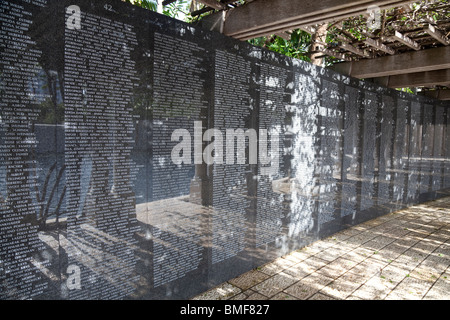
{"points": [[403, 255]]}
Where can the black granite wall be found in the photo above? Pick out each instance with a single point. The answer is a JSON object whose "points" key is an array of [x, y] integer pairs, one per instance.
{"points": [[111, 187]]}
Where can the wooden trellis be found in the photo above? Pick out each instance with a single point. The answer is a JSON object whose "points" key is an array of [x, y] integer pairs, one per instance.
{"points": [[407, 31]]}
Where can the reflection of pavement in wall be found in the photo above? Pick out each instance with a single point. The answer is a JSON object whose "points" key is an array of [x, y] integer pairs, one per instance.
{"points": [[172, 215], [103, 259], [179, 231], [177, 216]]}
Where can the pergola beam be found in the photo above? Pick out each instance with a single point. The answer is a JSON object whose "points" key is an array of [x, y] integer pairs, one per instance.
{"points": [[379, 45], [443, 94], [418, 79], [357, 51], [439, 36], [284, 35], [264, 17], [213, 4], [334, 54], [406, 41], [409, 62]]}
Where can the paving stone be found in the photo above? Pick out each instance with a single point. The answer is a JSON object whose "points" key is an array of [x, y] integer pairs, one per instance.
{"points": [[372, 224], [283, 296], [360, 238], [319, 246], [331, 253], [337, 267], [410, 289], [425, 273], [276, 266], [398, 232], [308, 286], [443, 282], [392, 250], [411, 258], [347, 247], [358, 255], [383, 229], [438, 238], [239, 297], [370, 267], [257, 296], [321, 296], [300, 270], [352, 297], [440, 259], [407, 241], [393, 274], [298, 256], [404, 255], [222, 292], [444, 249], [417, 236], [306, 267], [249, 279], [375, 288], [443, 233], [430, 228], [379, 242], [309, 250], [426, 246], [274, 284], [436, 294], [357, 279], [243, 295], [340, 288], [339, 237], [352, 231], [386, 218], [440, 289], [406, 217]]}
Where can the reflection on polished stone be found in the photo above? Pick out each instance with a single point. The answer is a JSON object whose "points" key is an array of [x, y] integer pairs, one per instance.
{"points": [[92, 205]]}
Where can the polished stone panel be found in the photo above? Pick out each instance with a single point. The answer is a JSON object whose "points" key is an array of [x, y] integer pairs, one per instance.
{"points": [[145, 158]]}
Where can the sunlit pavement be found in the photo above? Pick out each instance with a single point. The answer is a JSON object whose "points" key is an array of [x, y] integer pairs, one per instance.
{"points": [[402, 255]]}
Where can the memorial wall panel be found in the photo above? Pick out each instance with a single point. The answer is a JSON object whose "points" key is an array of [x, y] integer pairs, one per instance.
{"points": [[145, 158], [447, 149]]}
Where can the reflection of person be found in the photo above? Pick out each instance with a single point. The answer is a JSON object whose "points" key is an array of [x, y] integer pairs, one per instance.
{"points": [[18, 221], [98, 143]]}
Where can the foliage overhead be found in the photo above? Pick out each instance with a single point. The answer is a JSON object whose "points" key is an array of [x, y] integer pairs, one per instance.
{"points": [[147, 4], [296, 47], [178, 9]]}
